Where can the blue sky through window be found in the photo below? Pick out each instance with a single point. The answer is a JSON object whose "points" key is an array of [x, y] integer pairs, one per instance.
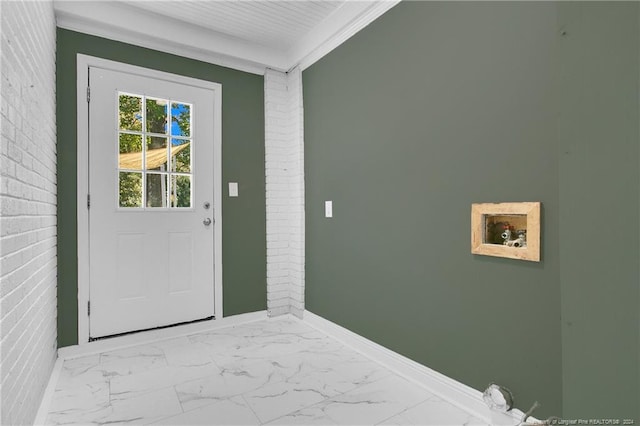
{"points": [[176, 110]]}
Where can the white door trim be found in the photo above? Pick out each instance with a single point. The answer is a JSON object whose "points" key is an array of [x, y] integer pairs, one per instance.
{"points": [[83, 64]]}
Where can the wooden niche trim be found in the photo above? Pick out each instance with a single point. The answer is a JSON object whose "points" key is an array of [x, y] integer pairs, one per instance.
{"points": [[481, 212]]}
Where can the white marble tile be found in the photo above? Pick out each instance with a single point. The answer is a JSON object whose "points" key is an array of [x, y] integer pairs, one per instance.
{"points": [[101, 367], [105, 366], [132, 360], [263, 339], [146, 408], [226, 336], [79, 365], [80, 371], [214, 337], [142, 409], [243, 349], [87, 416], [327, 380], [374, 402], [232, 411], [222, 348], [268, 346], [306, 416], [89, 401], [434, 411], [358, 369], [171, 343], [124, 387], [276, 400], [279, 325], [338, 374], [279, 370], [187, 355], [228, 381], [342, 366]]}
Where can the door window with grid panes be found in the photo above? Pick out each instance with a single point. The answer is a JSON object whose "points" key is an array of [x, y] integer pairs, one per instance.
{"points": [[155, 145]]}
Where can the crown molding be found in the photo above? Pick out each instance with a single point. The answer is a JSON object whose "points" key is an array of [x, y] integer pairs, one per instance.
{"points": [[351, 17], [118, 21]]}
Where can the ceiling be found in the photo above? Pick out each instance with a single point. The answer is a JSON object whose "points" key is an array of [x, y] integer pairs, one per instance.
{"points": [[268, 23], [250, 35]]}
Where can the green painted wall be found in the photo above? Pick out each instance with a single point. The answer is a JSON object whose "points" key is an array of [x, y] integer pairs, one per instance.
{"points": [[435, 106], [244, 224], [598, 181]]}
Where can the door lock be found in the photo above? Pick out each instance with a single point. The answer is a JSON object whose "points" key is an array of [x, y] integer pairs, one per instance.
{"points": [[206, 205]]}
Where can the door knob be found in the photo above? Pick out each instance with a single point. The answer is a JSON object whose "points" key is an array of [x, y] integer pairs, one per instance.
{"points": [[207, 221]]}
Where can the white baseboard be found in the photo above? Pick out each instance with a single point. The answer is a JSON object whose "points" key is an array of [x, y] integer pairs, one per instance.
{"points": [[45, 403], [151, 336], [444, 387]]}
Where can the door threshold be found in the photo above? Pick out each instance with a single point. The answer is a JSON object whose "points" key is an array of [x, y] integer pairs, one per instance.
{"points": [[127, 333]]}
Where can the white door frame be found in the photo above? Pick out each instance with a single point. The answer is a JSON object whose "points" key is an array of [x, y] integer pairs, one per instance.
{"points": [[83, 64]]}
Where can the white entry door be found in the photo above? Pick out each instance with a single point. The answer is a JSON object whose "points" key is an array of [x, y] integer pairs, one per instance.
{"points": [[151, 201]]}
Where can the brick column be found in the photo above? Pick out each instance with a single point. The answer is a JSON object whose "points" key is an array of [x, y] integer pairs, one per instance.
{"points": [[284, 164]]}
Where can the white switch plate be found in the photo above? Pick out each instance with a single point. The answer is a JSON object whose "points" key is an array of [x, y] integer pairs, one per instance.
{"points": [[328, 209], [233, 189]]}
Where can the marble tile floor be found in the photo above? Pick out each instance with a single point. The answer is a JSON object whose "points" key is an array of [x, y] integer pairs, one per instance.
{"points": [[272, 372]]}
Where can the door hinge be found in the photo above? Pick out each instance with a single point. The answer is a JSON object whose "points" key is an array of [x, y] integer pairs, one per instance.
{"points": [[88, 308], [88, 201], [88, 94]]}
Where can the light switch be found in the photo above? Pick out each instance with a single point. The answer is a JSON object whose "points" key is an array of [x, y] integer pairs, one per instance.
{"points": [[328, 209], [233, 189]]}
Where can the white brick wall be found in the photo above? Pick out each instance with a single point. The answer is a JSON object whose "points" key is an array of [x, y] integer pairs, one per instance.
{"points": [[27, 207], [284, 164]]}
